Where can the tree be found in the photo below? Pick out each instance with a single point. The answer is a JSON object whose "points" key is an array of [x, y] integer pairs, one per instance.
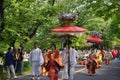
{"points": [[1, 17], [29, 20]]}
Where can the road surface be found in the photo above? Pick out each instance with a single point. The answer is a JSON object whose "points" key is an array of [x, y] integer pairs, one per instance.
{"points": [[107, 72]]}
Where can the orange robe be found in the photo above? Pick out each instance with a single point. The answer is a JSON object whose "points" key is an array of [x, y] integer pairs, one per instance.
{"points": [[91, 65], [52, 57]]}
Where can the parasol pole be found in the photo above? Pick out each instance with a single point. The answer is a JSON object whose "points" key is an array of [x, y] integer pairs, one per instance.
{"points": [[68, 56]]}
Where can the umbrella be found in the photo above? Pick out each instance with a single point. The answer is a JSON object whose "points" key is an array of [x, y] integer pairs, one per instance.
{"points": [[94, 39], [68, 31]]}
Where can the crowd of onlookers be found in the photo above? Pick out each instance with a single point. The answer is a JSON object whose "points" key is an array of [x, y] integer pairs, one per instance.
{"points": [[13, 61]]}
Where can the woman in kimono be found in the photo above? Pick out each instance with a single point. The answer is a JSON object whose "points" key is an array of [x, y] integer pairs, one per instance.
{"points": [[91, 64], [102, 53], [54, 63], [99, 59], [68, 71]]}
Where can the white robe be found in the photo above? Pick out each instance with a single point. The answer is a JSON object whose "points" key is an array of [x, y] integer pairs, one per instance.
{"points": [[65, 62], [36, 60], [108, 56]]}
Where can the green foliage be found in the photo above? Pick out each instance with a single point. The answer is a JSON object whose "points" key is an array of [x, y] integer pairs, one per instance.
{"points": [[27, 21], [26, 66]]}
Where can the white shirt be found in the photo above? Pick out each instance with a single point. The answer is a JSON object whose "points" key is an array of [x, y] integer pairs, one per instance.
{"points": [[36, 55]]}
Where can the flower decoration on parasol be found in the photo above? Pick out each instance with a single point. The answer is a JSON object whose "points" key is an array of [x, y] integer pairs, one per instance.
{"points": [[67, 19], [96, 34], [67, 29]]}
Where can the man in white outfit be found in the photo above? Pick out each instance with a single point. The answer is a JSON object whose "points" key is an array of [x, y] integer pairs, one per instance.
{"points": [[36, 60], [65, 74]]}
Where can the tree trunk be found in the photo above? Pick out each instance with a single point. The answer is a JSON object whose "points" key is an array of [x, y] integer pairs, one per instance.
{"points": [[53, 2], [12, 43], [35, 29], [1, 15]]}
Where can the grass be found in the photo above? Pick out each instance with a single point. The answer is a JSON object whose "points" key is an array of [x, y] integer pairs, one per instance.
{"points": [[26, 70]]}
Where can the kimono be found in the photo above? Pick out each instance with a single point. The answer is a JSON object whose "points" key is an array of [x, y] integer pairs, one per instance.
{"points": [[54, 64], [65, 74], [114, 53], [108, 58], [99, 59], [102, 53], [36, 60], [44, 71], [91, 64]]}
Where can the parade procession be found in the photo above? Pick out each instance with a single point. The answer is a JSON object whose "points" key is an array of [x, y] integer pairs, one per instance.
{"points": [[59, 40]]}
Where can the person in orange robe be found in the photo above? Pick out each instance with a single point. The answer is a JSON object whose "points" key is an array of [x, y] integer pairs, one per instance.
{"points": [[53, 59], [91, 64], [102, 53]]}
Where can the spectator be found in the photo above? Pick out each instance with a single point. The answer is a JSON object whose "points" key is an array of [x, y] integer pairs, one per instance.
{"points": [[20, 61], [9, 61], [16, 57], [3, 60]]}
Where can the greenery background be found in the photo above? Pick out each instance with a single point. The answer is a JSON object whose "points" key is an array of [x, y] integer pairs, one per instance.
{"points": [[26, 21]]}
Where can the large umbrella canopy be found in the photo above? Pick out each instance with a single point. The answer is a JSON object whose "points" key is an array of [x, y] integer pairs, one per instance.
{"points": [[68, 30], [94, 39]]}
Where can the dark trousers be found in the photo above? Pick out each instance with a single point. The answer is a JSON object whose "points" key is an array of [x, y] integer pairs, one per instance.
{"points": [[20, 67]]}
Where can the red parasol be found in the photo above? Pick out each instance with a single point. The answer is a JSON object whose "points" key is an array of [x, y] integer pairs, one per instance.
{"points": [[67, 30], [94, 39]]}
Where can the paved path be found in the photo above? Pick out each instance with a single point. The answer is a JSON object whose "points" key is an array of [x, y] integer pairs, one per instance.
{"points": [[27, 77], [107, 72], [110, 72]]}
